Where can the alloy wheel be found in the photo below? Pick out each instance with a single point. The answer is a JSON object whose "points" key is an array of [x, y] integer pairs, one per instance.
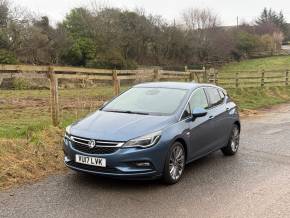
{"points": [[235, 139], [176, 162]]}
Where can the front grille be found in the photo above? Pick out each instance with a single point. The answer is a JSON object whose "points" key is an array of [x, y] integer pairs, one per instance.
{"points": [[101, 147], [95, 150], [93, 168]]}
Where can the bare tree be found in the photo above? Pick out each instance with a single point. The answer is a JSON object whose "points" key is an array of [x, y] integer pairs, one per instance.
{"points": [[200, 25], [200, 19]]}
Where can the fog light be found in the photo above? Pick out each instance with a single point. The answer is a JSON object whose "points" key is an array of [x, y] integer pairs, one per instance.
{"points": [[66, 159], [143, 164]]}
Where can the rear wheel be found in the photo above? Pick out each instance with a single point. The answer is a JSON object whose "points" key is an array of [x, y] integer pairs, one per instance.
{"points": [[234, 142], [174, 164]]}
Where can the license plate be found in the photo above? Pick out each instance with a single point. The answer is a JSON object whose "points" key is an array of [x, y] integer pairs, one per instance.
{"points": [[92, 161]]}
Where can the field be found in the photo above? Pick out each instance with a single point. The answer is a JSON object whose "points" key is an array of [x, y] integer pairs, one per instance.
{"points": [[254, 98], [272, 71], [270, 63], [30, 147]]}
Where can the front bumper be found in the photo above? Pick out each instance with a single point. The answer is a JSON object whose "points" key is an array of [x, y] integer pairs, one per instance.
{"points": [[122, 163], [114, 174]]}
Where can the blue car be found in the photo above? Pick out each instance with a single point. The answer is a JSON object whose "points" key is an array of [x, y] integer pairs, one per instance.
{"points": [[153, 130]]}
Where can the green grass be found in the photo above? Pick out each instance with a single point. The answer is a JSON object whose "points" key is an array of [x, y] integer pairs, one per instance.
{"points": [[255, 98], [270, 63]]}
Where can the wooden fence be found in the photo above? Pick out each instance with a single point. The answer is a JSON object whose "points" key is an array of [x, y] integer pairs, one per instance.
{"points": [[241, 79], [233, 79], [53, 73]]}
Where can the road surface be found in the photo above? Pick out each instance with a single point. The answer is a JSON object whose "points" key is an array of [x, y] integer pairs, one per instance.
{"points": [[254, 183]]}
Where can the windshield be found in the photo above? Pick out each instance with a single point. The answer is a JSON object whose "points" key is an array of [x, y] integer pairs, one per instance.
{"points": [[154, 101]]}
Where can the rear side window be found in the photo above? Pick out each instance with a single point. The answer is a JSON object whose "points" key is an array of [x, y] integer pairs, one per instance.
{"points": [[198, 100], [214, 97]]}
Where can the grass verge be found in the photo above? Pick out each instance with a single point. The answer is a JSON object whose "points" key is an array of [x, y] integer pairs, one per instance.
{"points": [[256, 98], [27, 160]]}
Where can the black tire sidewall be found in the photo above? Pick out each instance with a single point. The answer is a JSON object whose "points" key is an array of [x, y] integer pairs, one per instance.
{"points": [[227, 150], [232, 135]]}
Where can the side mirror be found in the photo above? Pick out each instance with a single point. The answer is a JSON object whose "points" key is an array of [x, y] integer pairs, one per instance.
{"points": [[198, 112]]}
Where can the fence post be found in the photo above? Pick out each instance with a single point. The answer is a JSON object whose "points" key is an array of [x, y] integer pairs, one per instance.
{"points": [[215, 76], [263, 79], [190, 75], [237, 79], [116, 83], [156, 75], [190, 78], [54, 97], [287, 78], [212, 75], [185, 68], [204, 75]]}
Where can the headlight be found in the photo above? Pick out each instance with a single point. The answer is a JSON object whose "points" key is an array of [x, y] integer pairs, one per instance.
{"points": [[67, 132], [144, 141]]}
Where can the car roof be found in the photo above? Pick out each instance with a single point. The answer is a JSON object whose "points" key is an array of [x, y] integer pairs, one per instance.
{"points": [[173, 85]]}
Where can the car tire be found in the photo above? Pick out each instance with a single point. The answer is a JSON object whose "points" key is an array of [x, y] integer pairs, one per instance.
{"points": [[174, 164], [234, 142]]}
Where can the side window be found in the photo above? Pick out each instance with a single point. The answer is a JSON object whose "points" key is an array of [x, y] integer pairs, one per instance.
{"points": [[198, 100], [186, 113], [214, 96]]}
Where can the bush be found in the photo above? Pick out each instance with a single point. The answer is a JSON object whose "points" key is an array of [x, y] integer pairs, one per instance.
{"points": [[247, 42], [268, 42], [21, 84], [113, 60], [7, 57], [249, 45], [80, 53]]}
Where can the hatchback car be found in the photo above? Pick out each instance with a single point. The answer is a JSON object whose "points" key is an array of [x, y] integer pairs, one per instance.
{"points": [[153, 130]]}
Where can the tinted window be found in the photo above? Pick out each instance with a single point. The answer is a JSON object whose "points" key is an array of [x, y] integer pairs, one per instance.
{"points": [[214, 96], [158, 101], [198, 100], [186, 112]]}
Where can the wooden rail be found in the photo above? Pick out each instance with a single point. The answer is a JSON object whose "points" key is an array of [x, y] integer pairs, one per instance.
{"points": [[232, 79], [236, 79]]}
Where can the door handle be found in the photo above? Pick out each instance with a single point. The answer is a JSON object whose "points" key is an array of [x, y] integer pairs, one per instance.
{"points": [[211, 117]]}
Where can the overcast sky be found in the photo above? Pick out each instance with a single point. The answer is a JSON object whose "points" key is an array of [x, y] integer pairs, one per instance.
{"points": [[228, 10]]}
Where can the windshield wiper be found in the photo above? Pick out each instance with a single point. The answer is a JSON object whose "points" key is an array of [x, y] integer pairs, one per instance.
{"points": [[127, 112]]}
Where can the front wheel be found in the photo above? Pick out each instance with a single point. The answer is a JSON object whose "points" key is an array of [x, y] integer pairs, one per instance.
{"points": [[234, 142], [174, 164]]}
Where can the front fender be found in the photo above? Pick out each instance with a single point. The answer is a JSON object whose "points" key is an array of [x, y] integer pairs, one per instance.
{"points": [[176, 132]]}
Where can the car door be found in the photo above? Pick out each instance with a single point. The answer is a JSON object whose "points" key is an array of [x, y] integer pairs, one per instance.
{"points": [[218, 116], [200, 128]]}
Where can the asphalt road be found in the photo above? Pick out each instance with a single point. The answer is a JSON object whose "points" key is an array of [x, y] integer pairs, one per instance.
{"points": [[254, 183]]}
